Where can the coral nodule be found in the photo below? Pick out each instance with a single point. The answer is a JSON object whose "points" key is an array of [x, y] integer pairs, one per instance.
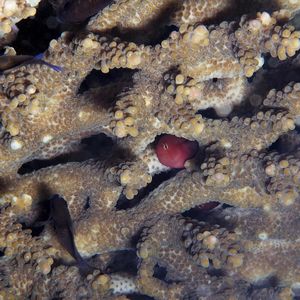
{"points": [[93, 124]]}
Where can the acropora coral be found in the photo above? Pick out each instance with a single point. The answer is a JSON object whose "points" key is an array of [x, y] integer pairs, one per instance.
{"points": [[11, 12], [224, 74]]}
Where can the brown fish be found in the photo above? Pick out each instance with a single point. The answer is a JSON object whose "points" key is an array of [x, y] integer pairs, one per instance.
{"points": [[10, 61], [76, 11], [63, 228]]}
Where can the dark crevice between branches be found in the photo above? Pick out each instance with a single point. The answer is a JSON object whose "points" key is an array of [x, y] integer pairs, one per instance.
{"points": [[124, 261], [160, 272], [284, 144], [123, 203], [209, 113], [96, 146], [203, 211], [36, 230], [269, 282], [37, 222], [35, 33], [87, 204], [115, 81], [152, 33]]}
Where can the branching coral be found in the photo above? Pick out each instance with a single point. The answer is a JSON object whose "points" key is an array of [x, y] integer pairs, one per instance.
{"points": [[209, 83], [11, 12]]}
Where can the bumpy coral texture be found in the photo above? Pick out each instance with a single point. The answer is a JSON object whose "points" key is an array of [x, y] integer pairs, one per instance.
{"points": [[232, 86], [11, 12]]}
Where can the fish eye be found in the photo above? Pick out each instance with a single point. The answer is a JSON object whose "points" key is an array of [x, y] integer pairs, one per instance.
{"points": [[165, 146]]}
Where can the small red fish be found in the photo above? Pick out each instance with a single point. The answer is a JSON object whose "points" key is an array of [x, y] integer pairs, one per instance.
{"points": [[173, 151]]}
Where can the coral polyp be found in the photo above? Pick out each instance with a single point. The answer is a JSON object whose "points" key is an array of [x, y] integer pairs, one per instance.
{"points": [[220, 76]]}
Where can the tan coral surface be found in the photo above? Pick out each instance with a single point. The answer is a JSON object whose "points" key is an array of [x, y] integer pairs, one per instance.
{"points": [[11, 12], [233, 86]]}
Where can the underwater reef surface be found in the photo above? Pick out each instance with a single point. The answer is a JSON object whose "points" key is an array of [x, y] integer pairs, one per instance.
{"points": [[150, 149]]}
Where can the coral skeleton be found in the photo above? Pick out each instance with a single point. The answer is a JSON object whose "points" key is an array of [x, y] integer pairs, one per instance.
{"points": [[223, 73]]}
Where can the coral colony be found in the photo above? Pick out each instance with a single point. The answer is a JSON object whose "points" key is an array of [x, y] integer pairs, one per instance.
{"points": [[196, 112]]}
